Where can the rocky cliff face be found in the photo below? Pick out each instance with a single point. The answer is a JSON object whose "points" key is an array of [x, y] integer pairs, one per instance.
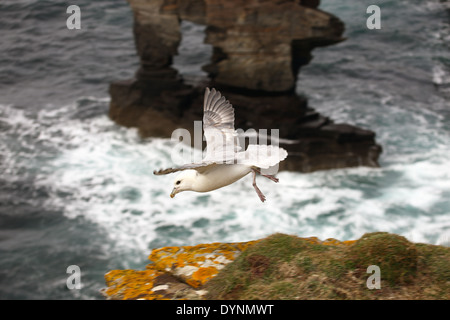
{"points": [[258, 48]]}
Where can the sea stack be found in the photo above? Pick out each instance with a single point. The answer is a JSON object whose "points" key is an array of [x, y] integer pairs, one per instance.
{"points": [[259, 47]]}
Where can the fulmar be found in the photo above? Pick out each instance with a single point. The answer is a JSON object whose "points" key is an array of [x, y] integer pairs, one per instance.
{"points": [[223, 163]]}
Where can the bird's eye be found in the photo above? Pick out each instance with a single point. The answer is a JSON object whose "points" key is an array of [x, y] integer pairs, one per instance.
{"points": [[178, 182]]}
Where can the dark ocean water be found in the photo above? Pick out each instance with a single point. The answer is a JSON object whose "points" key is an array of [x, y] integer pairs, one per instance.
{"points": [[76, 189]]}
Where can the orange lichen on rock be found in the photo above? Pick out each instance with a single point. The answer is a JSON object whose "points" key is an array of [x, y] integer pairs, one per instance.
{"points": [[348, 242], [312, 240], [131, 284], [334, 242], [201, 276], [196, 264]]}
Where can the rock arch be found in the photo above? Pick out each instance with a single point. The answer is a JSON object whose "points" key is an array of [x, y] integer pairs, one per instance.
{"points": [[258, 48]]}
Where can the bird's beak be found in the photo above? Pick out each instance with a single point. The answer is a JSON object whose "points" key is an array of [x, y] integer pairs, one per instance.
{"points": [[173, 193]]}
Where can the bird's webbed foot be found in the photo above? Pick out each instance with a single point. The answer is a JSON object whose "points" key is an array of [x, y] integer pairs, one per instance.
{"points": [[258, 192]]}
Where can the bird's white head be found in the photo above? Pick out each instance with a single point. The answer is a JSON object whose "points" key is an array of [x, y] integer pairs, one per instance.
{"points": [[184, 182]]}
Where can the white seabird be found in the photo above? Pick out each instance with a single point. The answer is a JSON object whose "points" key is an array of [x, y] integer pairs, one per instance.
{"points": [[223, 163]]}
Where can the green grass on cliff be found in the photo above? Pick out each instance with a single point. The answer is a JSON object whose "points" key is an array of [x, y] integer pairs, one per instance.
{"points": [[287, 267]]}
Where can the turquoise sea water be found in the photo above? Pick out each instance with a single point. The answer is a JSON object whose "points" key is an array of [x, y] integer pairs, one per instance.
{"points": [[76, 189]]}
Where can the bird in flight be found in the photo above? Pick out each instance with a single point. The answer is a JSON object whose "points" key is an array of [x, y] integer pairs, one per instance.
{"points": [[223, 163]]}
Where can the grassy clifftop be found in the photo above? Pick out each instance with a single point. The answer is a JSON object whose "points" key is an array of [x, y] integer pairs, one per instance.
{"points": [[289, 267]]}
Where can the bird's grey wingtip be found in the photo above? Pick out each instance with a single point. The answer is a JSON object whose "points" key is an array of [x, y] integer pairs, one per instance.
{"points": [[159, 172]]}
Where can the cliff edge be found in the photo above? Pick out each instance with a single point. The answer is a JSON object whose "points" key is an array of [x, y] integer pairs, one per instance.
{"points": [[289, 267]]}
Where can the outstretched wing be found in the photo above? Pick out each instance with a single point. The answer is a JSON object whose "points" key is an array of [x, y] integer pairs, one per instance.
{"points": [[200, 167], [221, 138], [218, 127]]}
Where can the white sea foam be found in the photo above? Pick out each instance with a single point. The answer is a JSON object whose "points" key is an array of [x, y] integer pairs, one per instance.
{"points": [[440, 76], [103, 173]]}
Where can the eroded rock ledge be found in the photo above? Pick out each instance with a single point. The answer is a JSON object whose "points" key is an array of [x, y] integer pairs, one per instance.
{"points": [[289, 267], [259, 47]]}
